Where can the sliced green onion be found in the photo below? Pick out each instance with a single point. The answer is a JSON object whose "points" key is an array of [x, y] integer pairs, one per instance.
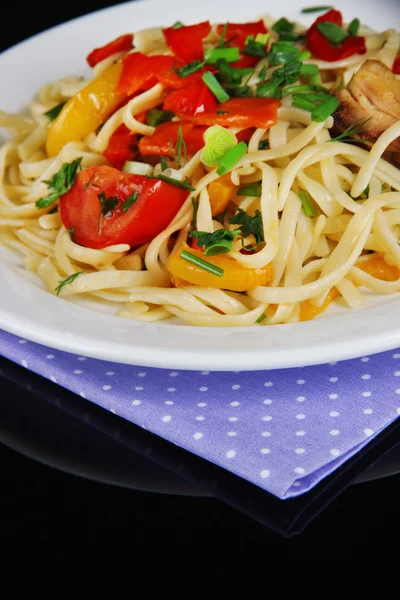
{"points": [[177, 25], [262, 38], [295, 89], [304, 55], [312, 9], [155, 117], [261, 318], [176, 182], [220, 247], [308, 204], [137, 168], [55, 111], [300, 102], [354, 27], [253, 190], [202, 264], [309, 70], [332, 32], [317, 96], [231, 158], [215, 87], [218, 141], [223, 35], [189, 69], [163, 163], [230, 75], [243, 91], [324, 110], [229, 54]]}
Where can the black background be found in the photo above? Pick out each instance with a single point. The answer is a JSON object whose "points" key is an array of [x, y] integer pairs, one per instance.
{"points": [[69, 518]]}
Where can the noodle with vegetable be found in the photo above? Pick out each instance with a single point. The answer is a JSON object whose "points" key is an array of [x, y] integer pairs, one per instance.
{"points": [[228, 174]]}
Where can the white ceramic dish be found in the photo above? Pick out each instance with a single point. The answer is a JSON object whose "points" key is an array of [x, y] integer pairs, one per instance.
{"points": [[28, 310]]}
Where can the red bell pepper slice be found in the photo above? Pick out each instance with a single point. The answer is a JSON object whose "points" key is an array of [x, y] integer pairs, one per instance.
{"points": [[191, 101], [396, 65], [140, 72], [236, 112], [187, 42], [165, 137], [240, 31], [321, 48], [122, 146], [245, 61], [120, 44]]}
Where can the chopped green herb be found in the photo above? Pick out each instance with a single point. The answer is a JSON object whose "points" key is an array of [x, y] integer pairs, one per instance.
{"points": [[255, 48], [195, 204], [107, 204], [71, 231], [202, 264], [215, 87], [261, 318], [366, 192], [89, 182], [269, 90], [176, 182], [180, 146], [283, 52], [55, 111], [163, 163], [231, 158], [354, 129], [177, 25], [60, 183], [300, 102], [242, 91], [332, 32], [221, 217], [230, 75], [221, 42], [66, 281], [249, 225], [283, 25], [228, 54], [308, 204], [190, 68], [129, 201], [296, 89], [312, 9], [155, 117], [263, 145], [222, 112], [354, 27], [263, 73], [253, 189], [218, 242]]}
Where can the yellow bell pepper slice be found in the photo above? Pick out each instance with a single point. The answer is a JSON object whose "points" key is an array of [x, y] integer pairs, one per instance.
{"points": [[220, 193], [86, 111], [379, 268], [235, 278]]}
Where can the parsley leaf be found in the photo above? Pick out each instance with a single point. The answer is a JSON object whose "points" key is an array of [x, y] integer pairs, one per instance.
{"points": [[249, 225], [66, 281], [218, 242], [107, 204], [55, 111], [190, 68], [60, 183], [231, 75], [129, 201], [254, 48]]}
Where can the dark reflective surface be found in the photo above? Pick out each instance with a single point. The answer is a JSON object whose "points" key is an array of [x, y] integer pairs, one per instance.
{"points": [[74, 475]]}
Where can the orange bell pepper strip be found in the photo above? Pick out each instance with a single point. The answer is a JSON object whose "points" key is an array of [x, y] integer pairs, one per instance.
{"points": [[309, 310], [235, 278], [235, 112], [86, 111], [220, 192], [120, 44]]}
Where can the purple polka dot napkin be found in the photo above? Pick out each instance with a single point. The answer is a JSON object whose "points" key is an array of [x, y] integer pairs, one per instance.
{"points": [[283, 430]]}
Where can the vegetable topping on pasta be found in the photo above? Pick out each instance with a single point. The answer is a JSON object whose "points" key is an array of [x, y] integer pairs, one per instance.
{"points": [[228, 174]]}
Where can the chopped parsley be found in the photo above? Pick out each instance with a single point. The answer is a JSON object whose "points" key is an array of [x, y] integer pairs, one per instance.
{"points": [[218, 242], [55, 111], [60, 183], [107, 204], [129, 201], [249, 225], [66, 281]]}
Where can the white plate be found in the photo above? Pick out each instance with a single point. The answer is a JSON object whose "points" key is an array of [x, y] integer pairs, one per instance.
{"points": [[28, 310]]}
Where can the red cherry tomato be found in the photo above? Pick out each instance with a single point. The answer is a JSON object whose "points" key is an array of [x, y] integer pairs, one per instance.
{"points": [[121, 43], [396, 65], [84, 207]]}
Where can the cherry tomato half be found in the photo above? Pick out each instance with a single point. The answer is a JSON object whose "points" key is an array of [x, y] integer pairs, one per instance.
{"points": [[97, 209]]}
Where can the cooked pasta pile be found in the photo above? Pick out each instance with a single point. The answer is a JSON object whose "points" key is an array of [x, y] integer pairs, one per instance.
{"points": [[322, 214]]}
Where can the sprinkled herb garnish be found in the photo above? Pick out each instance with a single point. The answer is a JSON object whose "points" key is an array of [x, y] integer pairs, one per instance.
{"points": [[231, 158], [256, 46], [163, 163], [60, 183], [107, 204], [308, 204], [129, 201], [66, 281], [263, 145], [180, 146], [355, 129], [176, 182], [253, 189], [215, 87], [190, 68], [332, 32], [177, 25], [71, 231], [202, 264], [354, 27], [215, 243], [313, 9], [195, 204], [228, 54], [155, 117], [249, 225]]}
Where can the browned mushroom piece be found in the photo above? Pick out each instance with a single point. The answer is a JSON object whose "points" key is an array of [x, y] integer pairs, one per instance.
{"points": [[373, 93]]}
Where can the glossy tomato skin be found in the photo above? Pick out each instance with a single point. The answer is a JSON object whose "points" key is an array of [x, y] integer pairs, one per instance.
{"points": [[81, 208]]}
